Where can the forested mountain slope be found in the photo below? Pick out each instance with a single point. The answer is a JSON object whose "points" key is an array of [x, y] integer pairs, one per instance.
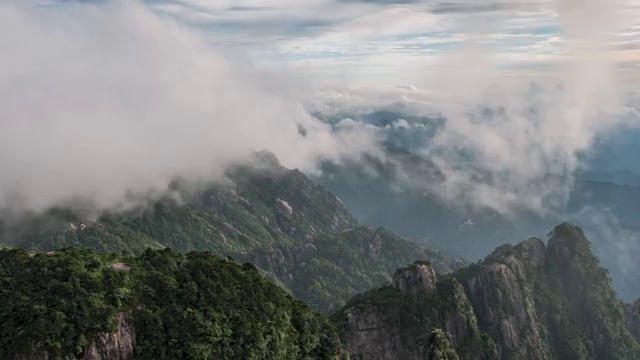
{"points": [[75, 304], [300, 234]]}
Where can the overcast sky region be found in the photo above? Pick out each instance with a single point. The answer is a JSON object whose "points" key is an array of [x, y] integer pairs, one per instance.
{"points": [[102, 97]]}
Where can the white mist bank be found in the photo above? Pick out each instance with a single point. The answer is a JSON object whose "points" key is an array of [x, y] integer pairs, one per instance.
{"points": [[98, 100]]}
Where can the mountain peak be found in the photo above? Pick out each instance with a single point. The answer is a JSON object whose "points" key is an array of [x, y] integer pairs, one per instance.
{"points": [[527, 301], [417, 277]]}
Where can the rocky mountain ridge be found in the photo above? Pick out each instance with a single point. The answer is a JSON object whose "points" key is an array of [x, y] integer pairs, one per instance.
{"points": [[522, 302]]}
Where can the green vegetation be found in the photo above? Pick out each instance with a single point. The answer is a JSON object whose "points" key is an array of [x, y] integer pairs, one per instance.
{"points": [[353, 261], [193, 306], [295, 231], [441, 349], [57, 302]]}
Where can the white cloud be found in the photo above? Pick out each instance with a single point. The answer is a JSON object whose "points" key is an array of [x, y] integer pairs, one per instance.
{"points": [[99, 100], [401, 124], [105, 84], [503, 146]]}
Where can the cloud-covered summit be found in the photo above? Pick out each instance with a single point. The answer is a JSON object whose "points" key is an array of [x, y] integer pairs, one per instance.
{"points": [[105, 97], [101, 100]]}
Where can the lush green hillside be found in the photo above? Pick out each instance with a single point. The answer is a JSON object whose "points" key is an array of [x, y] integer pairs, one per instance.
{"points": [[301, 235], [523, 302], [172, 306]]}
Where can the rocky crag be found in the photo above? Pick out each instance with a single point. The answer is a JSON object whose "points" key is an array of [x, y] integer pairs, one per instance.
{"points": [[524, 302]]}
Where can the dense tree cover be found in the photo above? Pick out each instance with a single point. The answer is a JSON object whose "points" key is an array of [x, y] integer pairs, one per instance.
{"points": [[352, 261], [57, 302], [182, 306], [292, 229]]}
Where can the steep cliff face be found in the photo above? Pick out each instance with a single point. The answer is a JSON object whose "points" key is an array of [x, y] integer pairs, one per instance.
{"points": [[118, 345], [421, 316], [370, 338], [591, 323], [502, 293], [632, 315], [416, 278], [549, 302], [526, 302]]}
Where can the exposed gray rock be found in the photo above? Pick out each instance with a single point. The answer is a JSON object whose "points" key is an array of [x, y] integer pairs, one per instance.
{"points": [[502, 303], [497, 297], [270, 260], [415, 278], [306, 251], [632, 314], [113, 346], [439, 321], [530, 302], [439, 347], [369, 338], [106, 346], [284, 207], [375, 246], [121, 267]]}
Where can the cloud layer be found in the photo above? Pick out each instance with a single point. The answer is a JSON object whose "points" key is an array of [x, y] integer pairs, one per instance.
{"points": [[508, 142], [98, 100], [102, 98]]}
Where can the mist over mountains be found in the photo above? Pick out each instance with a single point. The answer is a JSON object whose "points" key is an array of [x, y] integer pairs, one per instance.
{"points": [[479, 157], [102, 100], [191, 179], [406, 191]]}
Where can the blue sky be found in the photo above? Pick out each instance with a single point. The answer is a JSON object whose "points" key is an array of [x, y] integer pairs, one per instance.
{"points": [[389, 41]]}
